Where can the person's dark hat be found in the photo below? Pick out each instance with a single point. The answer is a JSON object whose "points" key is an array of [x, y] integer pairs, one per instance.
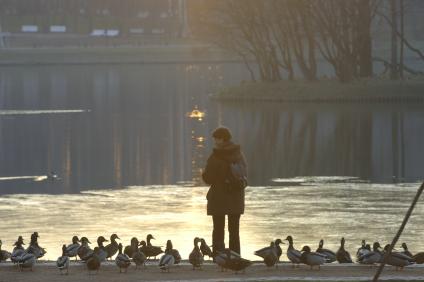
{"points": [[222, 133]]}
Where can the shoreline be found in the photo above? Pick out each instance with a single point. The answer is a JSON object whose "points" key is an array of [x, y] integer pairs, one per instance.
{"points": [[149, 54], [326, 91], [47, 271]]}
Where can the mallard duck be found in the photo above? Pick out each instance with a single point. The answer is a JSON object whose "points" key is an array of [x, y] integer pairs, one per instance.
{"points": [[172, 251], [122, 260], [26, 260], [63, 261], [18, 250], [310, 258], [292, 253], [102, 254], [371, 257], [148, 249], [4, 255], [132, 248], [269, 254], [34, 248], [406, 251], [72, 249], [362, 250], [205, 249], [277, 246], [399, 260], [148, 238], [419, 258], [330, 255], [94, 262], [342, 255], [221, 258], [84, 251], [196, 257], [236, 263], [168, 259], [139, 258], [112, 248]]}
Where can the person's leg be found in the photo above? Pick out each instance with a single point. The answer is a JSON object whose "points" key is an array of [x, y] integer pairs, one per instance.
{"points": [[233, 229], [218, 233]]}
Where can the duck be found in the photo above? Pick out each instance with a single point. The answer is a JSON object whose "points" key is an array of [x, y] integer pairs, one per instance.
{"points": [[122, 260], [62, 262], [94, 262], [132, 248], [112, 248], [269, 254], [362, 250], [330, 255], [419, 258], [342, 255], [148, 238], [26, 260], [397, 259], [236, 263], [221, 258], [139, 258], [312, 258], [406, 251], [277, 246], [52, 176], [72, 249], [205, 249], [196, 257], [101, 253], [292, 253], [148, 249], [174, 252], [371, 257], [167, 260], [4, 255], [84, 251], [34, 248], [18, 250]]}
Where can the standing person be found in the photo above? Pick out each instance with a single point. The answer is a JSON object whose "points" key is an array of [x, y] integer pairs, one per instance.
{"points": [[225, 197]]}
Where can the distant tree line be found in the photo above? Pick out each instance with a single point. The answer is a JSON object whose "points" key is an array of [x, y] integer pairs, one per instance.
{"points": [[283, 34]]}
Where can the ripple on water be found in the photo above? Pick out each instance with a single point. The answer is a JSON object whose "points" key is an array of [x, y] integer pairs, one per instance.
{"points": [[354, 210]]}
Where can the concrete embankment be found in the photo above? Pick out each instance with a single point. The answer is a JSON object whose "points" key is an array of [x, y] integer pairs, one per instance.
{"points": [[210, 272]]}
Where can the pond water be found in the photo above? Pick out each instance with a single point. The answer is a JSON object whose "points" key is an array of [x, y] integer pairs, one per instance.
{"points": [[311, 211], [128, 143], [111, 126]]}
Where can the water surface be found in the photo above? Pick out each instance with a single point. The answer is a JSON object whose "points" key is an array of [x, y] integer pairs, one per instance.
{"points": [[314, 210]]}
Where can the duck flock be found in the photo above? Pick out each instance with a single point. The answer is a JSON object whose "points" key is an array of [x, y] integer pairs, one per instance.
{"points": [[139, 253]]}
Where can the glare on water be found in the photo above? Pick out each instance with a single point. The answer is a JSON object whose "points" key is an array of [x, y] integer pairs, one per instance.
{"points": [[307, 212]]}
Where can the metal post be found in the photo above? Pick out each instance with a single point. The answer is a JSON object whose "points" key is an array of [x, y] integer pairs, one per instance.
{"points": [[396, 238]]}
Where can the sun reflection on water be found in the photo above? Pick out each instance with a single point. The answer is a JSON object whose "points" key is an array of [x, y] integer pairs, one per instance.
{"points": [[354, 210]]}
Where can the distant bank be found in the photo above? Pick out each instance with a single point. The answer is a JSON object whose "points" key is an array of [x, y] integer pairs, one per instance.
{"points": [[171, 53], [328, 91]]}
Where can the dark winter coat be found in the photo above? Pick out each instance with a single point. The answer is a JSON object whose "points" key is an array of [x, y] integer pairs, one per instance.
{"points": [[223, 199]]}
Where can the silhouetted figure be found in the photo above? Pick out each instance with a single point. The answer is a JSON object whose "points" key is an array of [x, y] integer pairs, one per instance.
{"points": [[52, 176], [226, 194]]}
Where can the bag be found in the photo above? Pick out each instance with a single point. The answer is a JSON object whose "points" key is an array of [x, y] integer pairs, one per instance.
{"points": [[237, 176]]}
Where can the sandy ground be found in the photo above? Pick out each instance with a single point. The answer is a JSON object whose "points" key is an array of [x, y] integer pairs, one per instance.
{"points": [[46, 271]]}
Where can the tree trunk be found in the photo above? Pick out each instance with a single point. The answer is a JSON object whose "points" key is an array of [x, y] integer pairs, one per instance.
{"points": [[394, 74], [365, 42], [402, 44]]}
